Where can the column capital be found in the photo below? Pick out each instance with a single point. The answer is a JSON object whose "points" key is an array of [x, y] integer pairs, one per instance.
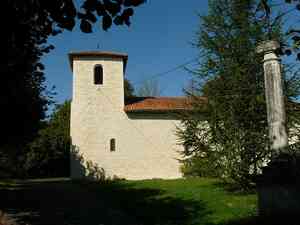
{"points": [[267, 46]]}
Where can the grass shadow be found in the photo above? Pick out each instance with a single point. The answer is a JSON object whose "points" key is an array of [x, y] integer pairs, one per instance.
{"points": [[266, 220], [233, 188], [93, 203]]}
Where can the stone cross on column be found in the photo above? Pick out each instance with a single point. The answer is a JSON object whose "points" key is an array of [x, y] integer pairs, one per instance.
{"points": [[274, 96]]}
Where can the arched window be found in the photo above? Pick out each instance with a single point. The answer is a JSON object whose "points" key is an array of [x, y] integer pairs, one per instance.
{"points": [[112, 145], [98, 74]]}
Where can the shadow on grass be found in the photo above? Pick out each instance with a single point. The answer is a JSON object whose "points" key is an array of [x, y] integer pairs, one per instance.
{"points": [[234, 188], [266, 220], [91, 203]]}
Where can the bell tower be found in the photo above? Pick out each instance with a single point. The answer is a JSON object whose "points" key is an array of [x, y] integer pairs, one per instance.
{"points": [[98, 95]]}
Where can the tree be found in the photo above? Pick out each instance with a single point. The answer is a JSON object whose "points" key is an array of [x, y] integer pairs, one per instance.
{"points": [[48, 154], [293, 34], [128, 89], [191, 88], [25, 98], [233, 143], [149, 88]]}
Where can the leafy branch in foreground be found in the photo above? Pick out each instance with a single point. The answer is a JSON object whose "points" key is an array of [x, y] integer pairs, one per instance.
{"points": [[293, 33]]}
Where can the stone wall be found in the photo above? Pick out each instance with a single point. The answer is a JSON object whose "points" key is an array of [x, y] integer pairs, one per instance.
{"points": [[146, 145]]}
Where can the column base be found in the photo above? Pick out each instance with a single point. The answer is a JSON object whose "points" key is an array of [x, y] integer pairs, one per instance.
{"points": [[279, 186]]}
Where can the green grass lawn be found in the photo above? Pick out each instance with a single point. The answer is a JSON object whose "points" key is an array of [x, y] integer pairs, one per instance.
{"points": [[149, 202]]}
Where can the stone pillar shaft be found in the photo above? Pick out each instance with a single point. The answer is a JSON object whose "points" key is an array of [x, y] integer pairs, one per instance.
{"points": [[275, 101], [274, 96]]}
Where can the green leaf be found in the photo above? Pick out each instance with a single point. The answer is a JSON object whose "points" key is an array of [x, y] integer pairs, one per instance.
{"points": [[91, 17], [85, 26], [106, 22], [118, 20]]}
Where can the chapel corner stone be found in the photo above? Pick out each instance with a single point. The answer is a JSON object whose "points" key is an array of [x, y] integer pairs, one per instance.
{"points": [[267, 46]]}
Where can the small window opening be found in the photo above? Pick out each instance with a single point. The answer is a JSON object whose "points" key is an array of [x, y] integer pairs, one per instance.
{"points": [[112, 145], [98, 74]]}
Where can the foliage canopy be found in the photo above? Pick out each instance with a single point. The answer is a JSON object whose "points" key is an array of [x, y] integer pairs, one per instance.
{"points": [[233, 142], [48, 154]]}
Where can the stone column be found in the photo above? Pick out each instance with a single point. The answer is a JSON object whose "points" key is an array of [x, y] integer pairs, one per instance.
{"points": [[274, 96], [278, 186]]}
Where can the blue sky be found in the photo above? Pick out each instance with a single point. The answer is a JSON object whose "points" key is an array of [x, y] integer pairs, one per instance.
{"points": [[158, 40]]}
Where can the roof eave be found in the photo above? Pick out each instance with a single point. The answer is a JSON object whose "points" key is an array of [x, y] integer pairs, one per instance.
{"points": [[156, 110], [73, 55]]}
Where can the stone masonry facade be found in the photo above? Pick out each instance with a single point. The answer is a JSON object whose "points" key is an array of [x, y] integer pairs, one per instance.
{"points": [[146, 145]]}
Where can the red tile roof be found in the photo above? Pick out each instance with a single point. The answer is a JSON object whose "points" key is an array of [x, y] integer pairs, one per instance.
{"points": [[158, 104], [166, 104]]}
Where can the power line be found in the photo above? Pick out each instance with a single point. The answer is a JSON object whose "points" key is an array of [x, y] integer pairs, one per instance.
{"points": [[167, 72]]}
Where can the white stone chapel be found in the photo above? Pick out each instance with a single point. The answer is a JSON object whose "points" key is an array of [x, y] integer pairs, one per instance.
{"points": [[129, 138]]}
